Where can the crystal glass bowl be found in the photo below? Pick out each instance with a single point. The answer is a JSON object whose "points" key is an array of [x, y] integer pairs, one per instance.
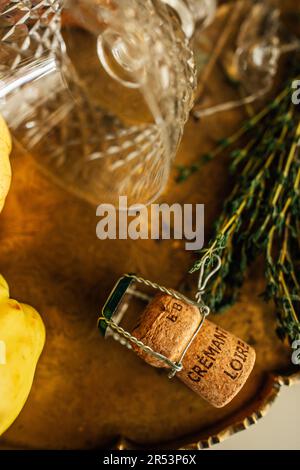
{"points": [[99, 90]]}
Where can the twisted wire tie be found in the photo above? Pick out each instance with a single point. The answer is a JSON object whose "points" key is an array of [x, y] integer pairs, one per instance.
{"points": [[204, 309]]}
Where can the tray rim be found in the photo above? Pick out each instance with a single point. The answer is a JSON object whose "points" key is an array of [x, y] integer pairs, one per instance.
{"points": [[255, 411]]}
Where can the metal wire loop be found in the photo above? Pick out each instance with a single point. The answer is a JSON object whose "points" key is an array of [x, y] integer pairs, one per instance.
{"points": [[204, 310], [174, 366], [203, 283], [166, 290]]}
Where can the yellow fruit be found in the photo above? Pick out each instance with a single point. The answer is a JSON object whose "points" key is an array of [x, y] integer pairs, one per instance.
{"points": [[22, 337], [5, 170]]}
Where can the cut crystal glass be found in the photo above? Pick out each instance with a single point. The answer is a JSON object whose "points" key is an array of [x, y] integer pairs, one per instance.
{"points": [[99, 90]]}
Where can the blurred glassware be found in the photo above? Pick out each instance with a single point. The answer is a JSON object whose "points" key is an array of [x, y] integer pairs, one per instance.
{"points": [[258, 47], [250, 52], [193, 14], [100, 131]]}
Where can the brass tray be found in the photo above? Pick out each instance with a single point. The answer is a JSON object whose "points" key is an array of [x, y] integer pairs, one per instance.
{"points": [[89, 393]]}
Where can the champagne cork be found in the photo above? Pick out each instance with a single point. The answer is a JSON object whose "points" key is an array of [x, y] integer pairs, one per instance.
{"points": [[216, 365]]}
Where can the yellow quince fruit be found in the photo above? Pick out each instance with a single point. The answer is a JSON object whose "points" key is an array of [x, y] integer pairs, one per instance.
{"points": [[5, 170], [22, 338]]}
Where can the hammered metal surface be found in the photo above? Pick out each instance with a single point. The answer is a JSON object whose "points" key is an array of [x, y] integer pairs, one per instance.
{"points": [[91, 393]]}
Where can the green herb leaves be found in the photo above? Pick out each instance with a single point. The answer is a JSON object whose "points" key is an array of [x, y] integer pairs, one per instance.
{"points": [[261, 215]]}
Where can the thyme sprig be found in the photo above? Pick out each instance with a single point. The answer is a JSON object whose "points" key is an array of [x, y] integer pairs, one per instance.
{"points": [[262, 213]]}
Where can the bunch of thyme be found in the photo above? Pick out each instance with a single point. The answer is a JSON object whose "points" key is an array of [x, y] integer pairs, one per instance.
{"points": [[261, 215]]}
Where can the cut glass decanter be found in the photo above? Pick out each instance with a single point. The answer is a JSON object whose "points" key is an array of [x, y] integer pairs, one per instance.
{"points": [[99, 90]]}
